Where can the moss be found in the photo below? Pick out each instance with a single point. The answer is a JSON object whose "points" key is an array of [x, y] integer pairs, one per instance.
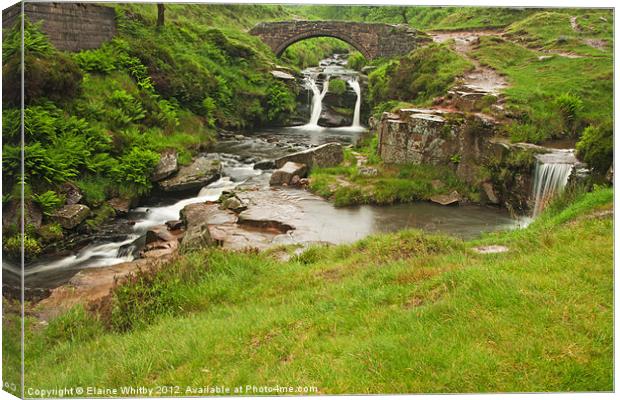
{"points": [[51, 232], [99, 216], [12, 246]]}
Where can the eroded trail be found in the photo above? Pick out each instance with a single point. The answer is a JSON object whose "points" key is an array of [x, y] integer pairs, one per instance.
{"points": [[481, 78]]}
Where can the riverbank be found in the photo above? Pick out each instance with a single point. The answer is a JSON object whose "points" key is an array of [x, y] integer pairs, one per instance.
{"points": [[361, 317]]}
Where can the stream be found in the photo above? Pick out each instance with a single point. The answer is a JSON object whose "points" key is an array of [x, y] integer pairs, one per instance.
{"points": [[320, 222]]}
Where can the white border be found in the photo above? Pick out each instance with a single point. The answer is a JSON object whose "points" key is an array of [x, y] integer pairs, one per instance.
{"points": [[497, 3]]}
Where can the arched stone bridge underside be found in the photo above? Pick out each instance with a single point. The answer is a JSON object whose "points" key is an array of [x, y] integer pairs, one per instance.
{"points": [[371, 39]]}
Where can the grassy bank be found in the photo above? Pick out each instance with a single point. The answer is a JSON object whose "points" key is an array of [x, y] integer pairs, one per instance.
{"points": [[352, 184], [397, 313]]}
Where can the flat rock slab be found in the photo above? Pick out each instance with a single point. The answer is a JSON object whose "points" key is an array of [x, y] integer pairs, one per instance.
{"points": [[201, 172], [88, 286], [282, 75], [447, 199], [268, 209], [492, 249]]}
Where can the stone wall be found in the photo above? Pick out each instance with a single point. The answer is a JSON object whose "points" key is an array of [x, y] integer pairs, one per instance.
{"points": [[371, 39], [69, 26], [501, 171]]}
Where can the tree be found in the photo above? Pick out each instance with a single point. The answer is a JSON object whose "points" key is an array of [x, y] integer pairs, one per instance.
{"points": [[160, 14]]}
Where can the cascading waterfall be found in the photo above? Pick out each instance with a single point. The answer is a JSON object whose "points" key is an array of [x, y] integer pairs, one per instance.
{"points": [[317, 101], [355, 85], [551, 176]]}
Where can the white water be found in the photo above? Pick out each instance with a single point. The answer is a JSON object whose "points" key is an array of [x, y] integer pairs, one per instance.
{"points": [[100, 255], [551, 176], [159, 215], [112, 253], [317, 101], [355, 85]]}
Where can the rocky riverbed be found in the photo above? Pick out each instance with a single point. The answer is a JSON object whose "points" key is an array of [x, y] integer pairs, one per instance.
{"points": [[251, 214]]}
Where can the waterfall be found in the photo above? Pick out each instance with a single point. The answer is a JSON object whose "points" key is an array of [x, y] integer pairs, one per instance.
{"points": [[551, 176], [355, 85], [317, 101]]}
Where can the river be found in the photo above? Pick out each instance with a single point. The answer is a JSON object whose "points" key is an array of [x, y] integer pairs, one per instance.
{"points": [[319, 221]]}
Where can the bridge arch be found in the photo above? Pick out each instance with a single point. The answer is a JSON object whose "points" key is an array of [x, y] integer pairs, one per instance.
{"points": [[308, 35], [371, 39]]}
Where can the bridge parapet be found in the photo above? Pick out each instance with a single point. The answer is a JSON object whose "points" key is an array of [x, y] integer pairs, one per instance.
{"points": [[373, 40]]}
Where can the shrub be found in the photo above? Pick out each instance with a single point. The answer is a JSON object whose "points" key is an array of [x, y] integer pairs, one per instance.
{"points": [[209, 108], [101, 60], [356, 61], [570, 106], [134, 169], [337, 86], [94, 189], [423, 74], [596, 147], [48, 73], [76, 325], [167, 116], [280, 102], [49, 201], [347, 196], [150, 294], [125, 109], [12, 246], [51, 232]]}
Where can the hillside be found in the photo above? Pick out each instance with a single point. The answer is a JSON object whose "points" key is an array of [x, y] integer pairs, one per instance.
{"points": [[401, 313]]}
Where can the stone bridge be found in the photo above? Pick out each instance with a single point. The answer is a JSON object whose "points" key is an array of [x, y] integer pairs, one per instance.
{"points": [[371, 39]]}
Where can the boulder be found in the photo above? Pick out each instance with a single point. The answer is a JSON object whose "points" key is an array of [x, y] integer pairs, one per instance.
{"points": [[11, 214], [368, 171], [197, 219], [71, 192], [285, 174], [201, 172], [158, 233], [265, 164], [175, 224], [120, 206], [447, 199], [197, 233], [295, 181], [333, 119], [326, 155], [233, 203], [71, 216], [166, 166]]}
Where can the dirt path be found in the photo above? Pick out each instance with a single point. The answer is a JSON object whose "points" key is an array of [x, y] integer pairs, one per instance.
{"points": [[482, 79], [574, 24]]}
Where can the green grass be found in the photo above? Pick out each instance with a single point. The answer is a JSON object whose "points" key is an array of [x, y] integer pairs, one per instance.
{"points": [[346, 186], [423, 74], [418, 17], [552, 30], [397, 313], [533, 101]]}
